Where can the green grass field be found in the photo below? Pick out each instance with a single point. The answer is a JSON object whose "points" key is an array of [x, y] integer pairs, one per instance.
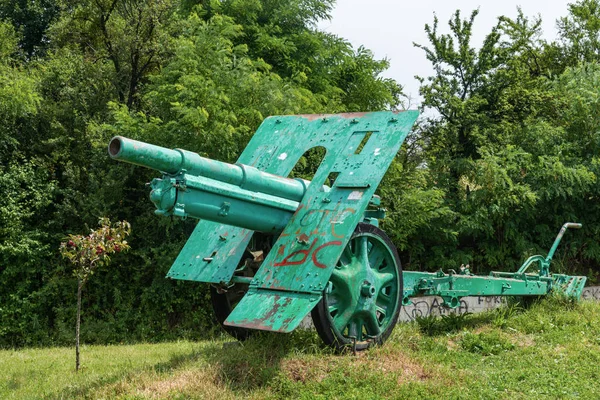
{"points": [[551, 350]]}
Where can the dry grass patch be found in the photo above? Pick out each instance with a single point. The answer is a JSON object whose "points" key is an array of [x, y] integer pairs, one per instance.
{"points": [[309, 369], [523, 340], [200, 382], [387, 362], [318, 368], [452, 344], [197, 383]]}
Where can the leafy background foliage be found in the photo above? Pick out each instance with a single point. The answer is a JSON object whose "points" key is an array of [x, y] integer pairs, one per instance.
{"points": [[505, 154]]}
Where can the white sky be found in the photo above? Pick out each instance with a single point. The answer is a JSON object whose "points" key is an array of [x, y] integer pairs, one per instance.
{"points": [[389, 27]]}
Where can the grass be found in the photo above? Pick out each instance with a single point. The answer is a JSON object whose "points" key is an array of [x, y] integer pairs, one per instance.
{"points": [[551, 350]]}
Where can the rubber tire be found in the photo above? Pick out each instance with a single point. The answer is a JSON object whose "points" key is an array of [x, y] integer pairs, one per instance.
{"points": [[322, 319], [222, 303], [222, 308]]}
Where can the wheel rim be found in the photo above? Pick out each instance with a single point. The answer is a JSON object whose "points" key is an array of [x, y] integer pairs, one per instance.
{"points": [[362, 297]]}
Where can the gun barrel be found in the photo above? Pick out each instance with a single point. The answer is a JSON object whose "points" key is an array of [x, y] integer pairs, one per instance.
{"points": [[175, 161]]}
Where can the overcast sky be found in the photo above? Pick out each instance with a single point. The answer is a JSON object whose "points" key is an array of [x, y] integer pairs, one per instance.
{"points": [[389, 27]]}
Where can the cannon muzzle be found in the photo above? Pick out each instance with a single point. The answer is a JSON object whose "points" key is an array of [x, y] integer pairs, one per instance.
{"points": [[145, 154]]}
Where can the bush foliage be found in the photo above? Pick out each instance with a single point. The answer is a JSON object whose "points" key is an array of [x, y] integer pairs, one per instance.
{"points": [[506, 152]]}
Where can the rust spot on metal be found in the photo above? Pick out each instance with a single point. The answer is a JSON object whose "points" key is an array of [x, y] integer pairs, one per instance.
{"points": [[314, 117], [261, 323], [352, 115], [303, 237]]}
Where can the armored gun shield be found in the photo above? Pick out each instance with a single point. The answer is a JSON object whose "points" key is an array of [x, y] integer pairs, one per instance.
{"points": [[359, 148]]}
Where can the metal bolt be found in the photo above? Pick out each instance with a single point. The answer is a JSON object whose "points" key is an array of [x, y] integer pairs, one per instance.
{"points": [[326, 200], [367, 290], [354, 121], [393, 120], [221, 237]]}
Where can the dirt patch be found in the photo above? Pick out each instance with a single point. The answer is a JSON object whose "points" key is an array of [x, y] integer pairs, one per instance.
{"points": [[452, 343], [523, 341], [197, 382], [559, 349], [481, 329], [317, 369], [303, 370], [409, 369]]}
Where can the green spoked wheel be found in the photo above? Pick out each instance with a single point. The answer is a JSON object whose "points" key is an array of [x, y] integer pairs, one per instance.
{"points": [[362, 303]]}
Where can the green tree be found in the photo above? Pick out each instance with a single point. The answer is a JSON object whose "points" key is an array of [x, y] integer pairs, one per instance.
{"points": [[31, 19], [284, 35], [579, 32], [507, 146], [131, 34], [211, 96]]}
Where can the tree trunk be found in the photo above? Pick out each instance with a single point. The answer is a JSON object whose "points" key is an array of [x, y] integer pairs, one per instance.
{"points": [[78, 323]]}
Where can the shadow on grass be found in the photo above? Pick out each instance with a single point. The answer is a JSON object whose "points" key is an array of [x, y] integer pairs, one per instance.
{"points": [[256, 362], [451, 323], [241, 367]]}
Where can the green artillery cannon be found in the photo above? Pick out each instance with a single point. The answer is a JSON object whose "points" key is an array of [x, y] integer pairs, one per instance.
{"points": [[275, 248]]}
